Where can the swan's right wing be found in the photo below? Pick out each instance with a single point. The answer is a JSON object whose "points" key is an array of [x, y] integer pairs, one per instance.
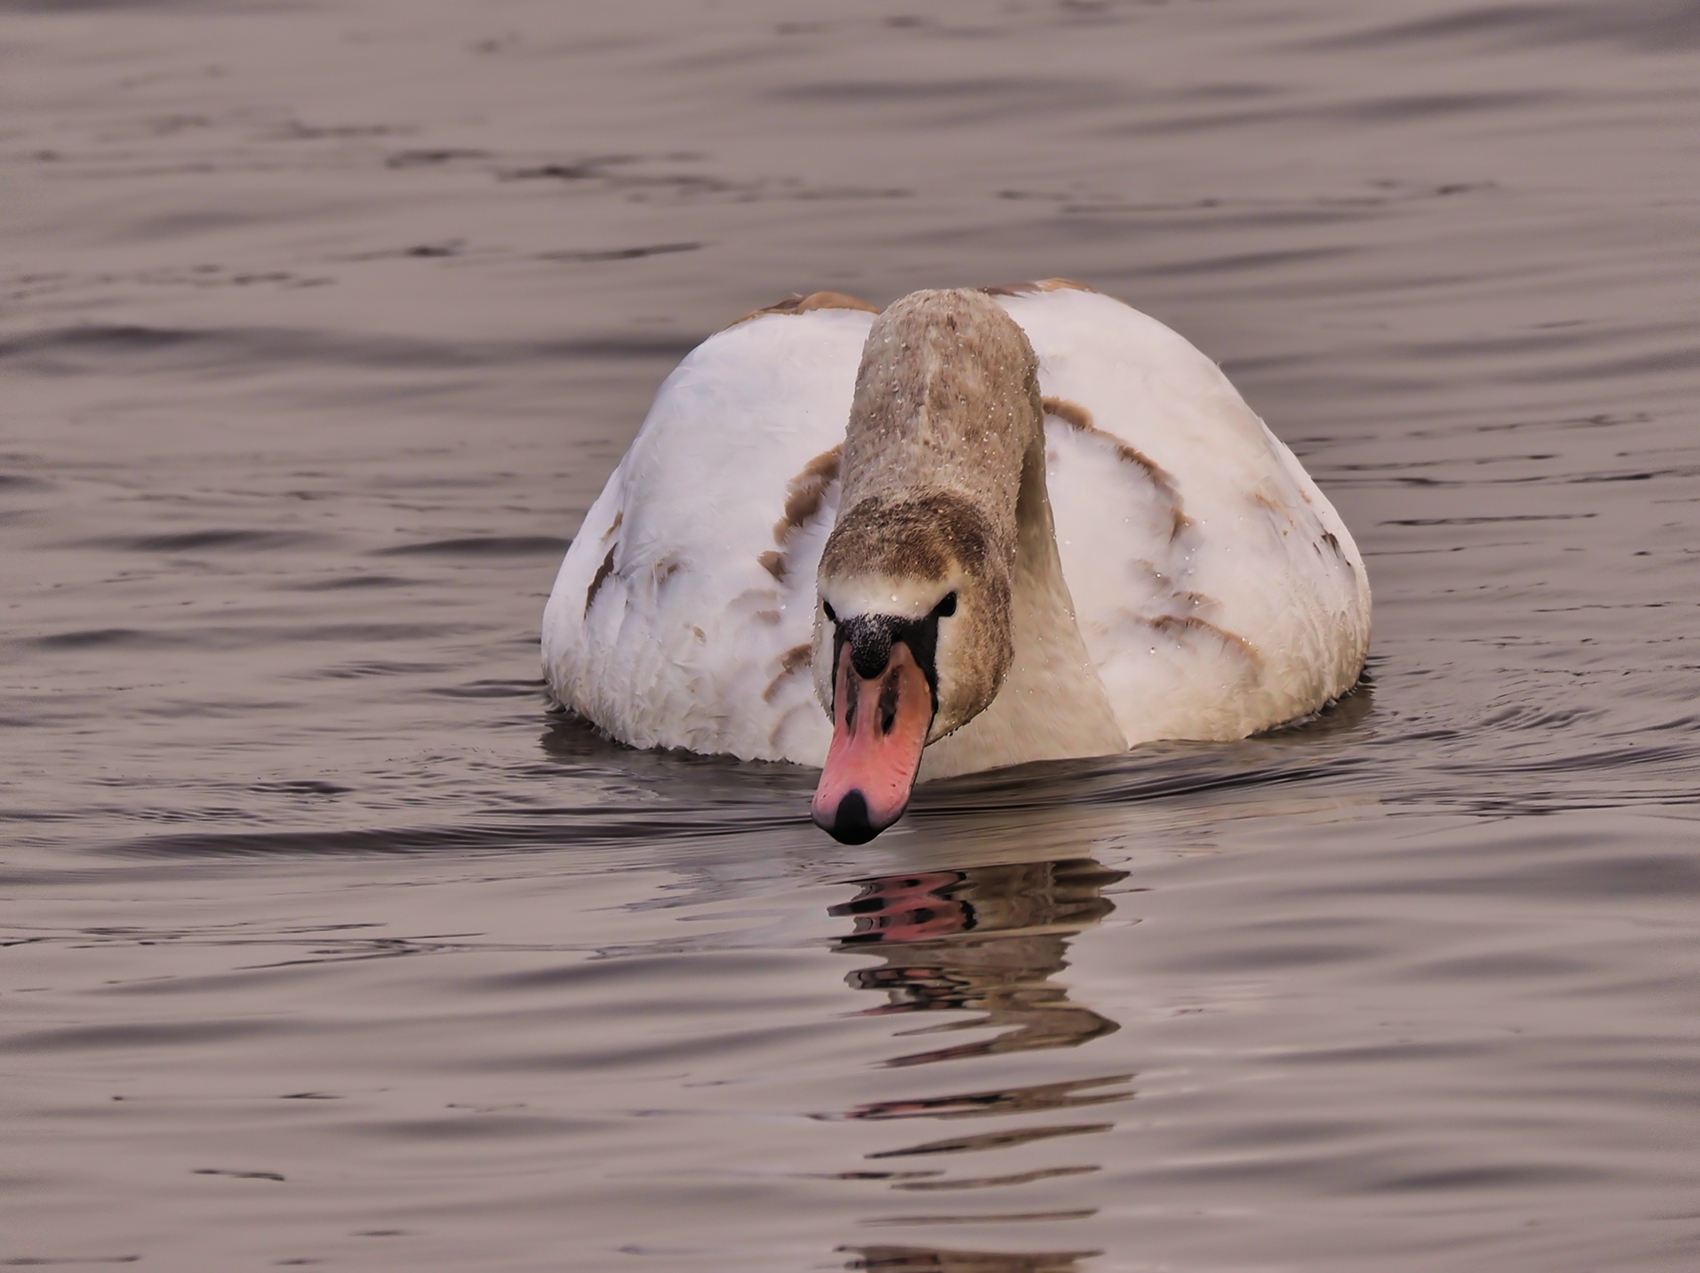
{"points": [[683, 613]]}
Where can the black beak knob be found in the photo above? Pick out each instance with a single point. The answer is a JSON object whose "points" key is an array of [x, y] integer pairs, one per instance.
{"points": [[850, 823]]}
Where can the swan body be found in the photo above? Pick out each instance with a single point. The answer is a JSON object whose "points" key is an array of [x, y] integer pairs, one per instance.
{"points": [[1170, 570]]}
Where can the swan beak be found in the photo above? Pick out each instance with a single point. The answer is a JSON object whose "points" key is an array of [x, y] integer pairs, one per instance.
{"points": [[879, 728]]}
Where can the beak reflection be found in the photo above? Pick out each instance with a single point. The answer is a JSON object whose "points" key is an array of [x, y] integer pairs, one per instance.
{"points": [[986, 939]]}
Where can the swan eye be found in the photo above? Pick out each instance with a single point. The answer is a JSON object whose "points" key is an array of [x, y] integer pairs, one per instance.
{"points": [[945, 608], [827, 606]]}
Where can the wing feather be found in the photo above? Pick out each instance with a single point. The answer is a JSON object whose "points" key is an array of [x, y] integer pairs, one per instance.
{"points": [[696, 633], [1218, 590]]}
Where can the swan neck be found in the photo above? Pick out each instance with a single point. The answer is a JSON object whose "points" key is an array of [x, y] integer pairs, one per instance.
{"points": [[945, 402]]}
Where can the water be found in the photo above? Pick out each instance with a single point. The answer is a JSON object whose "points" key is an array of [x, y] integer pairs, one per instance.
{"points": [[324, 944]]}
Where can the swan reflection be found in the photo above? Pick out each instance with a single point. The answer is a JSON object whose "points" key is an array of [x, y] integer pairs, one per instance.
{"points": [[985, 940]]}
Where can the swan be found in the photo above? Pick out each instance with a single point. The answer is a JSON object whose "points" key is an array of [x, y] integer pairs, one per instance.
{"points": [[979, 528]]}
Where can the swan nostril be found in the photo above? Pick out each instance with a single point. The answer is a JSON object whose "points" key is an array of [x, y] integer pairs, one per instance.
{"points": [[850, 823]]}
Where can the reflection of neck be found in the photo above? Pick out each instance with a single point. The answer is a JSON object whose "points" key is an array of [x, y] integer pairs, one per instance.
{"points": [[1051, 704]]}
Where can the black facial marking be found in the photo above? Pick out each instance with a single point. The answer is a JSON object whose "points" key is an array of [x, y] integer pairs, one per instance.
{"points": [[871, 636], [850, 708], [888, 703]]}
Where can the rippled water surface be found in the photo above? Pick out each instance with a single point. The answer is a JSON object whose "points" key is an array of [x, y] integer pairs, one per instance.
{"points": [[324, 944]]}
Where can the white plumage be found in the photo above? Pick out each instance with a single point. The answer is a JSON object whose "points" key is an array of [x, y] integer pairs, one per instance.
{"points": [[1217, 590]]}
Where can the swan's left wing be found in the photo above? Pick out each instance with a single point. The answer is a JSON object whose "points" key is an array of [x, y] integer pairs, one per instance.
{"points": [[1217, 589]]}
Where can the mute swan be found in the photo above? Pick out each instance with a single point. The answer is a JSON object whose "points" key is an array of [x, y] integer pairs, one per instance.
{"points": [[977, 529]]}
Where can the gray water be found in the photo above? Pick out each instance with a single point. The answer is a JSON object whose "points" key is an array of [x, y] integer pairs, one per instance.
{"points": [[322, 943]]}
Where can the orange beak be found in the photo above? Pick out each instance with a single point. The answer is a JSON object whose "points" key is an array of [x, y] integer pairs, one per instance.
{"points": [[878, 731]]}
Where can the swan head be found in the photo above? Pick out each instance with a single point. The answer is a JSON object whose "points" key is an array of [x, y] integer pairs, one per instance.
{"points": [[912, 641], [913, 626]]}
